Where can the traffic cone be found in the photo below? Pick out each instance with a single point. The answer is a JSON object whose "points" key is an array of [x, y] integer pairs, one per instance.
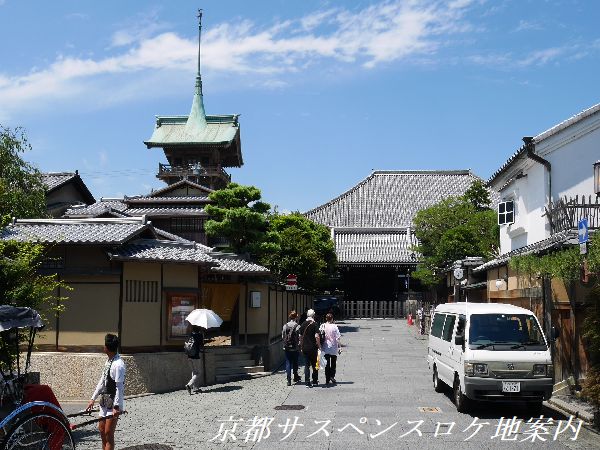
{"points": [[410, 319]]}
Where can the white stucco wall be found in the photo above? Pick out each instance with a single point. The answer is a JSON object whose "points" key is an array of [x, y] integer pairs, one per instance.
{"points": [[571, 153]]}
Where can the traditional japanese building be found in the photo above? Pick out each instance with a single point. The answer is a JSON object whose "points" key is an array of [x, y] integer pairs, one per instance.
{"points": [[64, 190], [372, 228], [198, 147]]}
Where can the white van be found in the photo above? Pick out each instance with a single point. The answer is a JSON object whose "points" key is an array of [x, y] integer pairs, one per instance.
{"points": [[490, 351]]}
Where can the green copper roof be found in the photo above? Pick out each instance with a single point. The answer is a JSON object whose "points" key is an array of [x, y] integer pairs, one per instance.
{"points": [[190, 130]]}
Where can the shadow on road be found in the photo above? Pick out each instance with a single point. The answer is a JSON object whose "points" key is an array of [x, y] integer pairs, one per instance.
{"points": [[348, 329], [492, 410], [222, 389]]}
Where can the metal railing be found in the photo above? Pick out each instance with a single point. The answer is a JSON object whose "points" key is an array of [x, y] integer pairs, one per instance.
{"points": [[380, 309], [166, 170]]}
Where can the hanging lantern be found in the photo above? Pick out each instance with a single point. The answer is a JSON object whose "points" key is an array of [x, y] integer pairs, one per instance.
{"points": [[597, 177]]}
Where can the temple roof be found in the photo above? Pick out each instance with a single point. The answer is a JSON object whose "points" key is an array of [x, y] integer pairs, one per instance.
{"points": [[391, 199], [357, 246]]}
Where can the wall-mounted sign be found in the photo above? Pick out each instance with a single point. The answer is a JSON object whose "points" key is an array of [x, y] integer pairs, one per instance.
{"points": [[179, 308]]}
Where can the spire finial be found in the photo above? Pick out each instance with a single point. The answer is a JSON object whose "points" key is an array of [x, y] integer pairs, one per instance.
{"points": [[198, 75], [197, 119]]}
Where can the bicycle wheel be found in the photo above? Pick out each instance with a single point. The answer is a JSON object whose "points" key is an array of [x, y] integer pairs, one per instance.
{"points": [[40, 432]]}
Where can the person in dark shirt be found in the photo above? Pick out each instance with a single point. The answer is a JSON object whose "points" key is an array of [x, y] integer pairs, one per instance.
{"points": [[303, 316], [311, 344], [194, 359]]}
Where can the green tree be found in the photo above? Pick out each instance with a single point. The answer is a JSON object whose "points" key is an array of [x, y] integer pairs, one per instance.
{"points": [[239, 216], [22, 192], [453, 229], [22, 195], [478, 196], [296, 245]]}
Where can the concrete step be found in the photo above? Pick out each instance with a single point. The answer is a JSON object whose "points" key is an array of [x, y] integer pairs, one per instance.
{"points": [[238, 370], [234, 363], [233, 357], [229, 350], [247, 376]]}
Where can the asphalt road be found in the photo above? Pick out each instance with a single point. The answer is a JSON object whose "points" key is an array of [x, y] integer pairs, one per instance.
{"points": [[384, 399]]}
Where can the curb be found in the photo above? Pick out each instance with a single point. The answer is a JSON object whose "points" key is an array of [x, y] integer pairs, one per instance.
{"points": [[567, 408]]}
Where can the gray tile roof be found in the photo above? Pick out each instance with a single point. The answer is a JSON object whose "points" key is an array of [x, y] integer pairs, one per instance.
{"points": [[52, 180], [180, 211], [162, 251], [74, 231], [545, 135], [97, 209], [173, 237], [558, 240], [177, 185], [390, 199], [112, 205], [166, 200], [374, 246], [237, 265], [176, 252]]}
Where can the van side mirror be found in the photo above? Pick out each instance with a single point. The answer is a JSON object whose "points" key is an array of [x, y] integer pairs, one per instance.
{"points": [[554, 333], [459, 339]]}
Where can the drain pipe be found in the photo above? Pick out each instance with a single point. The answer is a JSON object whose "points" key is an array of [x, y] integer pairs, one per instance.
{"points": [[530, 148]]}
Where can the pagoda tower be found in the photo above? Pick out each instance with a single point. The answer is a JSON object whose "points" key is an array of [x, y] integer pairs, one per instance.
{"points": [[198, 147]]}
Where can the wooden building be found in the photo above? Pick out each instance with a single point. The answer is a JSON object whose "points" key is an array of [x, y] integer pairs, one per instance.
{"points": [[64, 190]]}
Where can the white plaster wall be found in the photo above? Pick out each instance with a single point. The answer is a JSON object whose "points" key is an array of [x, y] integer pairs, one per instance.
{"points": [[571, 153]]}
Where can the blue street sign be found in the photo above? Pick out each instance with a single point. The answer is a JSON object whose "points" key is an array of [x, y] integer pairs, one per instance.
{"points": [[582, 231]]}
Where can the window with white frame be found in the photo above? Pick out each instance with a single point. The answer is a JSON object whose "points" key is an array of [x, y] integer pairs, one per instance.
{"points": [[506, 212]]}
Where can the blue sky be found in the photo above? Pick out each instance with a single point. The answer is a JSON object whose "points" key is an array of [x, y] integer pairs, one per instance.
{"points": [[327, 90]]}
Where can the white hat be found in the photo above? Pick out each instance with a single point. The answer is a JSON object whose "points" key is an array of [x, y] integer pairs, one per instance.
{"points": [[310, 313]]}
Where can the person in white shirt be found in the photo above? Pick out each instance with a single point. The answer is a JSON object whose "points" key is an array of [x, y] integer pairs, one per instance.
{"points": [[331, 347], [110, 389]]}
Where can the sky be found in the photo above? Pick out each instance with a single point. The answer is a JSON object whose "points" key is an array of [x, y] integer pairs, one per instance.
{"points": [[327, 91]]}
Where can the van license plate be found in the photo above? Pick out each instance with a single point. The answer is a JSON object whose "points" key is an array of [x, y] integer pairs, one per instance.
{"points": [[508, 386]]}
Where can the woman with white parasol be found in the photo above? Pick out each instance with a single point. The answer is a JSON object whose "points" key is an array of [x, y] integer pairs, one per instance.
{"points": [[200, 320]]}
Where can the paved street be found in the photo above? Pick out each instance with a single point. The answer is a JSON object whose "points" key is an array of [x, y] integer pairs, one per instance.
{"points": [[383, 380]]}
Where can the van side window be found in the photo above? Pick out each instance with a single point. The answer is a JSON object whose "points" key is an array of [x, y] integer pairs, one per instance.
{"points": [[438, 325], [448, 327]]}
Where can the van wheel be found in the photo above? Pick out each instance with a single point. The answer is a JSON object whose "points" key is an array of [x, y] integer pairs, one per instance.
{"points": [[437, 384], [460, 400]]}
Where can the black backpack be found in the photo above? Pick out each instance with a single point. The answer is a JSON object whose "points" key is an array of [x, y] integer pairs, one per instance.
{"points": [[290, 341], [189, 347]]}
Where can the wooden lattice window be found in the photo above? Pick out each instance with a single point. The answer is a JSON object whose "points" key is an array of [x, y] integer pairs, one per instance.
{"points": [[139, 291]]}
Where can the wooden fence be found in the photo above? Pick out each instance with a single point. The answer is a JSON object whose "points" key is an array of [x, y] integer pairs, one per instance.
{"points": [[564, 214], [380, 309]]}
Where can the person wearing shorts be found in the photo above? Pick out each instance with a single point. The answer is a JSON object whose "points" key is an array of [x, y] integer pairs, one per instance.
{"points": [[110, 389]]}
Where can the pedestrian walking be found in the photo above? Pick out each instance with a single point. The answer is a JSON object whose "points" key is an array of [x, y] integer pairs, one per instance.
{"points": [[193, 347], [110, 389], [291, 346], [311, 344], [330, 346], [421, 315]]}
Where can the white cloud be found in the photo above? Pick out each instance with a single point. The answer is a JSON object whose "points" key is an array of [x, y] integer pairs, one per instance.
{"points": [[378, 34], [526, 25]]}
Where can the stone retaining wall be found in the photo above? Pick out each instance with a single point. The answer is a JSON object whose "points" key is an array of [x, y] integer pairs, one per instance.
{"points": [[73, 376]]}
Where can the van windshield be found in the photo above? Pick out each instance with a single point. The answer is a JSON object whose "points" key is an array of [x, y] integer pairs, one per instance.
{"points": [[505, 332]]}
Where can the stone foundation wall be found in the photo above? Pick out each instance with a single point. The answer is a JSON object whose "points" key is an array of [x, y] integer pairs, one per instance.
{"points": [[73, 376]]}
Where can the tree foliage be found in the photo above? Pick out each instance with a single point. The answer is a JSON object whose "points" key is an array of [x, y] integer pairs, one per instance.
{"points": [[284, 243], [22, 192], [296, 245], [22, 195], [453, 229], [239, 216]]}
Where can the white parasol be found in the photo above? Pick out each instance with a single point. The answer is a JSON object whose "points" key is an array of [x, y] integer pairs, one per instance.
{"points": [[204, 318]]}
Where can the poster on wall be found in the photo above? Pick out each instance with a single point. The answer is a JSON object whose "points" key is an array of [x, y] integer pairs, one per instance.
{"points": [[180, 308]]}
